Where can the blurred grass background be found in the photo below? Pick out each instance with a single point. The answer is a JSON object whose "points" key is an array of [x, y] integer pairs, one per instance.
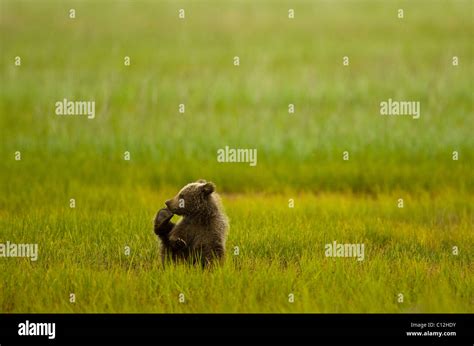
{"points": [[282, 61]]}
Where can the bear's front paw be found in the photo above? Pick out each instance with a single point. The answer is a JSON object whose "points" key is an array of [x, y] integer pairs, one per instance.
{"points": [[181, 244], [163, 216]]}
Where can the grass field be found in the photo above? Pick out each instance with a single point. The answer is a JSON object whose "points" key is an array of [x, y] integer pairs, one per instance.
{"points": [[408, 250]]}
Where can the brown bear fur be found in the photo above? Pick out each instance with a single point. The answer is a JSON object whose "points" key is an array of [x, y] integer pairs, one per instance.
{"points": [[201, 234]]}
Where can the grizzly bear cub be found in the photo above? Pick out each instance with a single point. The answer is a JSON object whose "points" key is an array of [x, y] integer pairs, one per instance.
{"points": [[201, 234]]}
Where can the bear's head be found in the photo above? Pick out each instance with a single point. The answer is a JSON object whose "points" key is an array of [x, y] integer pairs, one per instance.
{"points": [[193, 199]]}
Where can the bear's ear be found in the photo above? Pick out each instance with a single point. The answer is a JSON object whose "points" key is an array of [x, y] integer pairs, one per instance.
{"points": [[201, 181], [208, 188]]}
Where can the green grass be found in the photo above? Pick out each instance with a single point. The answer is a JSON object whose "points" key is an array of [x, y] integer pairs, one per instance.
{"points": [[281, 251], [283, 61]]}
